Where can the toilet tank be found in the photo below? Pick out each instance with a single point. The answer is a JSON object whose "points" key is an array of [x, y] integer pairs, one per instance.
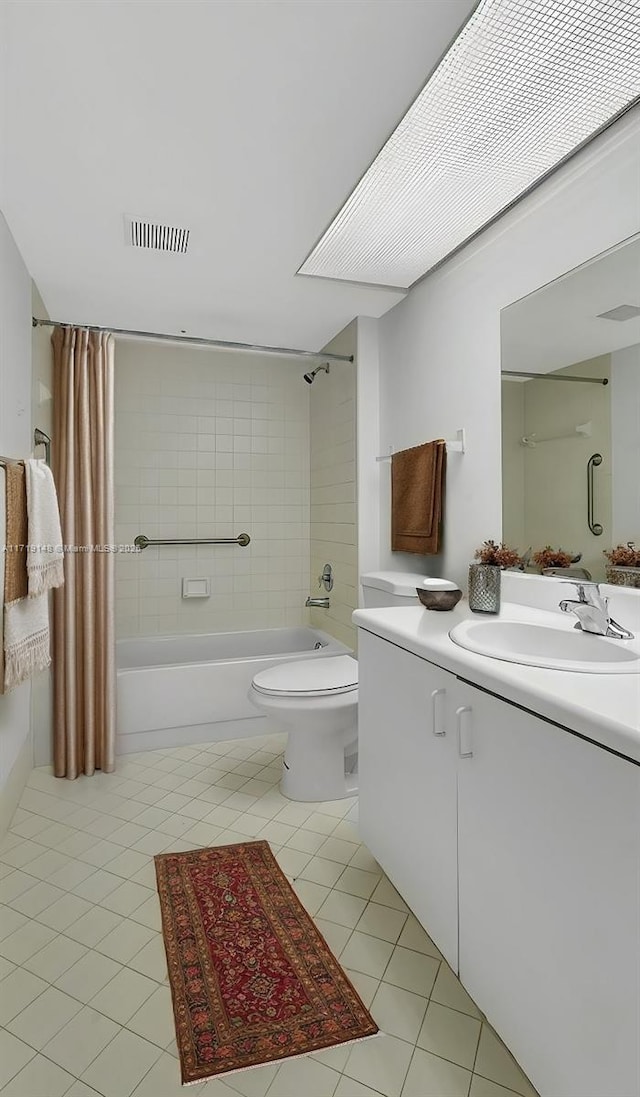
{"points": [[390, 588]]}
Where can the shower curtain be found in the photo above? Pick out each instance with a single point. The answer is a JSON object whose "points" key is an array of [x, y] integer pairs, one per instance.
{"points": [[84, 677]]}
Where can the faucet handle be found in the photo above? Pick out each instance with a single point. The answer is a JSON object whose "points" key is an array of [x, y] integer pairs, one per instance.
{"points": [[588, 592]]}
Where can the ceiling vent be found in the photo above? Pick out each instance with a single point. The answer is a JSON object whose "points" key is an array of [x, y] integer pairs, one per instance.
{"points": [[149, 234], [620, 312]]}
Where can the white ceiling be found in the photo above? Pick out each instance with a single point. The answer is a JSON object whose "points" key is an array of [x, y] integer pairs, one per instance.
{"points": [[560, 324], [247, 122]]}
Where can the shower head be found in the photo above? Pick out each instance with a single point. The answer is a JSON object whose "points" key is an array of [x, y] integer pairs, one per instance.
{"points": [[309, 377]]}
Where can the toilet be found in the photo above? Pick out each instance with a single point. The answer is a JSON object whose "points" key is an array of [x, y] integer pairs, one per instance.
{"points": [[316, 701]]}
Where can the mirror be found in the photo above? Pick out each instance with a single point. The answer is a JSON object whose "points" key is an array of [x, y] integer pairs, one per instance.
{"points": [[571, 448]]}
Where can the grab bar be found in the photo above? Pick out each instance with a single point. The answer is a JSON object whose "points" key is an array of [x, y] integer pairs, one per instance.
{"points": [[243, 539], [42, 439], [593, 462]]}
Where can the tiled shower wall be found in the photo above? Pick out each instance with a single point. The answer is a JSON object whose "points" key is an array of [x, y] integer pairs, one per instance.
{"points": [[333, 488], [210, 444]]}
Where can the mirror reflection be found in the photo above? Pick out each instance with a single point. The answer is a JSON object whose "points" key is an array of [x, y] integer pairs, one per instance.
{"points": [[570, 358]]}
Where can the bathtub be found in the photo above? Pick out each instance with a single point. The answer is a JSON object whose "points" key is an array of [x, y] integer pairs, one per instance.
{"points": [[176, 690]]}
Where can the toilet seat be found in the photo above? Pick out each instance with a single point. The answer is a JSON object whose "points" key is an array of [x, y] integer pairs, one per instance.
{"points": [[318, 677]]}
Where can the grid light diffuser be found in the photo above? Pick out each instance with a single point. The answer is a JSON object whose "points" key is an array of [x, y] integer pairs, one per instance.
{"points": [[523, 85]]}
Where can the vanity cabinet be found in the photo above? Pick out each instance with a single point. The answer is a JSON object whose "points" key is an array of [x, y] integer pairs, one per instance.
{"points": [[542, 832]]}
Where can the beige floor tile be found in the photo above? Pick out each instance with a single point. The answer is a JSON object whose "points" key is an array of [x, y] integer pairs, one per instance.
{"points": [[126, 898], [321, 824], [334, 1057], [149, 913], [24, 942], [254, 1082], [124, 995], [81, 1039], [88, 976], [449, 991], [380, 921], [93, 927], [19, 989], [6, 967], [305, 1075], [450, 1034], [413, 936], [40, 1021], [342, 908], [381, 1063], [64, 912], [14, 884], [163, 1080], [292, 861], [370, 955], [348, 1087], [321, 871], [412, 971], [122, 1065], [366, 861], [154, 1020], [307, 841], [336, 936], [10, 921], [125, 941], [398, 1012], [494, 1062], [366, 985], [35, 899], [70, 875], [151, 960], [430, 1076], [40, 1078], [482, 1087], [54, 959], [311, 895], [386, 894], [14, 1055], [336, 849]]}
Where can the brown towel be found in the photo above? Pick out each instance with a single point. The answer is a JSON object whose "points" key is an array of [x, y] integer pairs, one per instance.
{"points": [[417, 496], [16, 582]]}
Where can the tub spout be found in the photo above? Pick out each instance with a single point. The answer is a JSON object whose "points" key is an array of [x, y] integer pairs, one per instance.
{"points": [[317, 603]]}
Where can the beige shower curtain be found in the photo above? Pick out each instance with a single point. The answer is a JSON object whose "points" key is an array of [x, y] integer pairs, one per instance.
{"points": [[84, 680]]}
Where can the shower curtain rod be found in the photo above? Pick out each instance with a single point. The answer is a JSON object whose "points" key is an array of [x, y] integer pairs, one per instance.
{"points": [[221, 344], [555, 377]]}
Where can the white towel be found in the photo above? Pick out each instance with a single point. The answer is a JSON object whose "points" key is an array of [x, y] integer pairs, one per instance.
{"points": [[44, 556], [26, 639]]}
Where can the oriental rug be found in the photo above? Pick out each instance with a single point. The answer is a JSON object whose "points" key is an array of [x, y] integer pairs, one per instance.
{"points": [[252, 979]]}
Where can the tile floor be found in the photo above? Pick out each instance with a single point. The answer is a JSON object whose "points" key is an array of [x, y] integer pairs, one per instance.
{"points": [[84, 1000]]}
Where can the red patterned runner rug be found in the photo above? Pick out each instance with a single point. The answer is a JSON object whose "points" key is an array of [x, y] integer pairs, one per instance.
{"points": [[252, 979]]}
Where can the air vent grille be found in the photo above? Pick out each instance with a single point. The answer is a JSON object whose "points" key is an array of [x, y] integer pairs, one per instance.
{"points": [[149, 234], [620, 313]]}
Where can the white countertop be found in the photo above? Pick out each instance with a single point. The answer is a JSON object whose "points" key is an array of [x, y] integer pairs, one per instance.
{"points": [[603, 707]]}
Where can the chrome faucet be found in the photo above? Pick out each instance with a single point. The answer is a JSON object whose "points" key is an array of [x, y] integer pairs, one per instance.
{"points": [[592, 610], [317, 603]]}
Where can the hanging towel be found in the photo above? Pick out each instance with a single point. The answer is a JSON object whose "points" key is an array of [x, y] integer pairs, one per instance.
{"points": [[45, 557], [417, 498], [25, 646]]}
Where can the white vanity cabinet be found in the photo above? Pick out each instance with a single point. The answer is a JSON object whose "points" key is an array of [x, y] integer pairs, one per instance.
{"points": [[407, 779], [546, 896]]}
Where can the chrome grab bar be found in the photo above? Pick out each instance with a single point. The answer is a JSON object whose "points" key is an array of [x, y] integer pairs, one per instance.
{"points": [[593, 462], [142, 541]]}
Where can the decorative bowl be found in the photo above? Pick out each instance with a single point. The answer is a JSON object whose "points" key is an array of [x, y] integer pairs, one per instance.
{"points": [[438, 599]]}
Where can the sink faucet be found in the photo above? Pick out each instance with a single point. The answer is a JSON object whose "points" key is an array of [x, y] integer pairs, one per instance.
{"points": [[592, 610]]}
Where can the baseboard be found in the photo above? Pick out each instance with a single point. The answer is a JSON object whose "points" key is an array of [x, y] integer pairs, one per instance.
{"points": [[218, 732], [14, 785]]}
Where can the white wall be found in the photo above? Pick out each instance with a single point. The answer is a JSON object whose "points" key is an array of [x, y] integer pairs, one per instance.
{"points": [[440, 347], [625, 444], [15, 441], [211, 444], [332, 402]]}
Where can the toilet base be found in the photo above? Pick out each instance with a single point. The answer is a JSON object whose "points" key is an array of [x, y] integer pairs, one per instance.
{"points": [[313, 775]]}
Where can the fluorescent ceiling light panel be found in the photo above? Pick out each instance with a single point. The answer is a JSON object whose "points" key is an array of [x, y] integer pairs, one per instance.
{"points": [[523, 85]]}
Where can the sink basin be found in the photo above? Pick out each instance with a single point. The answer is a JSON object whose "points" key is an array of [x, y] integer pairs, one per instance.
{"points": [[542, 645]]}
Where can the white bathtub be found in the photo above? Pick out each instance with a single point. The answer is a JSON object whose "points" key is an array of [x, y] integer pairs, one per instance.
{"points": [[174, 690]]}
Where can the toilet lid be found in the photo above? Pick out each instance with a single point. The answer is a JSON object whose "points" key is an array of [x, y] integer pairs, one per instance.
{"points": [[314, 677]]}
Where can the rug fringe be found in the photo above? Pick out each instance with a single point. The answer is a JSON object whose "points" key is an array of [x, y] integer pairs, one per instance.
{"points": [[284, 1059]]}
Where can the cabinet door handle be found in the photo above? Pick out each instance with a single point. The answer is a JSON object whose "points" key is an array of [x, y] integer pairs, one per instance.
{"points": [[464, 731], [438, 711]]}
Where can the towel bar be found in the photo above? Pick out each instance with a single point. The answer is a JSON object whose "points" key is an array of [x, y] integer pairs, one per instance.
{"points": [[42, 439], [454, 445], [243, 539]]}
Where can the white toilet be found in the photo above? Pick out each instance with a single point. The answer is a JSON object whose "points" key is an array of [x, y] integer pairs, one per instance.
{"points": [[316, 702]]}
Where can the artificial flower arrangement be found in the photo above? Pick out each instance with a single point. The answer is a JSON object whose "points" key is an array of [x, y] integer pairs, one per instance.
{"points": [[624, 556], [549, 557], [500, 556]]}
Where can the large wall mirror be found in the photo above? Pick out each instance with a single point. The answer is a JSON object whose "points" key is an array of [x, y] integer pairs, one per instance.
{"points": [[571, 413]]}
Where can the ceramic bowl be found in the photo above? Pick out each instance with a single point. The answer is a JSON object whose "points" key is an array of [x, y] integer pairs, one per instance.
{"points": [[439, 599]]}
